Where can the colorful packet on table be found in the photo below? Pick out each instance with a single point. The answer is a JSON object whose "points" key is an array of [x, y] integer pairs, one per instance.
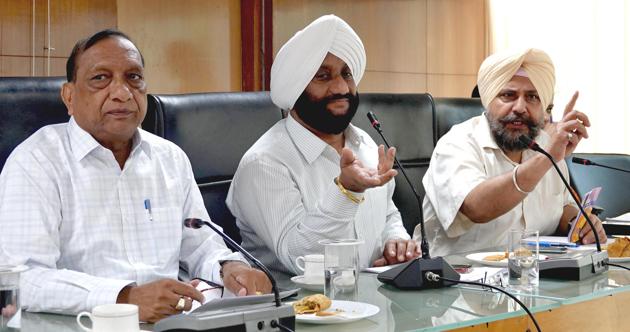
{"points": [[580, 221]]}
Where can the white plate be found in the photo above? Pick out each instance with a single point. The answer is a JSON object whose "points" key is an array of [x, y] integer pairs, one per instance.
{"points": [[479, 258], [619, 259], [349, 311], [316, 287]]}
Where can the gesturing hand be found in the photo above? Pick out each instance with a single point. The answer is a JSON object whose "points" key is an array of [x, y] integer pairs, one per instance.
{"points": [[355, 177], [159, 299], [586, 233], [569, 131]]}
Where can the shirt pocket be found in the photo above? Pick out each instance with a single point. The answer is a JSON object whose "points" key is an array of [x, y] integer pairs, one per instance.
{"points": [[159, 235]]}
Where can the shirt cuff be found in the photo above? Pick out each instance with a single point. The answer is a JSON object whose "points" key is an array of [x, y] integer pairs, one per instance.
{"points": [[216, 267], [106, 292], [337, 205]]}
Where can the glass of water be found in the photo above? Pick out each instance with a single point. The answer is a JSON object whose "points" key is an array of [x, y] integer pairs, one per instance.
{"points": [[522, 250], [10, 296], [341, 269]]}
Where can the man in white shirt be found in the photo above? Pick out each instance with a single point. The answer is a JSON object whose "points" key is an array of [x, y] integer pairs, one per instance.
{"points": [[95, 206], [483, 181], [313, 175]]}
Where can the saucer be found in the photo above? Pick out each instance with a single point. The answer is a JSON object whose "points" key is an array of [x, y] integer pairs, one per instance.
{"points": [[316, 287]]}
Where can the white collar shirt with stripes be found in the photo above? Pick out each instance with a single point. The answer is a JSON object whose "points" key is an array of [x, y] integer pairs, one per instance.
{"points": [[79, 221], [285, 200]]}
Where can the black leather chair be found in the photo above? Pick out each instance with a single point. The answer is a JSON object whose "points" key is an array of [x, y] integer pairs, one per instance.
{"points": [[407, 123], [215, 130], [451, 111], [26, 105], [615, 184]]}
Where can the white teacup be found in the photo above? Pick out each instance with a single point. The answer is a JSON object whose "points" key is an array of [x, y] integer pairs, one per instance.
{"points": [[112, 317], [313, 268]]}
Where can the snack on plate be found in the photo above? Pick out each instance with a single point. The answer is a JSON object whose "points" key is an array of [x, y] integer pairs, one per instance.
{"points": [[312, 304], [619, 248], [496, 258]]}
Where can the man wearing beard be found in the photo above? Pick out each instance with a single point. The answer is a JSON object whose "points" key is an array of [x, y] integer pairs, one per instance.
{"points": [[313, 175], [483, 181]]}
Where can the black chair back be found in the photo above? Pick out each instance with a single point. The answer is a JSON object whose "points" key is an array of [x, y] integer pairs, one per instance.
{"points": [[26, 105], [615, 184], [406, 121], [451, 111], [203, 125]]}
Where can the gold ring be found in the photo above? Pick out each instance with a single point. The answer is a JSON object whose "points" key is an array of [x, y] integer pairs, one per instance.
{"points": [[569, 136], [180, 304]]}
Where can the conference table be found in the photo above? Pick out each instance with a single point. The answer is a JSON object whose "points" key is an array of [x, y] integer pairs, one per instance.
{"points": [[599, 303]]}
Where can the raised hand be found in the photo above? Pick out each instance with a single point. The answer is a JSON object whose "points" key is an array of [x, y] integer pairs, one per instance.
{"points": [[355, 177], [569, 131]]}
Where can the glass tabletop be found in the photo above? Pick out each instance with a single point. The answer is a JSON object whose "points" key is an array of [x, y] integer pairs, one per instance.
{"points": [[424, 310]]}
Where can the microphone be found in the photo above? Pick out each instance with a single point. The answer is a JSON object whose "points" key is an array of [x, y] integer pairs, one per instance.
{"points": [[587, 162], [233, 314], [415, 273], [195, 223], [534, 146], [424, 245]]}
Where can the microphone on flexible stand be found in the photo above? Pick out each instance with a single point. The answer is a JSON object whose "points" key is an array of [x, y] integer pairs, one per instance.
{"points": [[534, 146], [198, 223], [579, 267], [233, 314], [415, 273], [587, 162]]}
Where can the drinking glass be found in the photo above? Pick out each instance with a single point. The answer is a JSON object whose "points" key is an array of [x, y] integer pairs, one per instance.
{"points": [[523, 247], [341, 269], [10, 296]]}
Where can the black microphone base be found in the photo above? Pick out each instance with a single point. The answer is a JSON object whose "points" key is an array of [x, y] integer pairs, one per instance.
{"points": [[243, 318], [413, 274]]}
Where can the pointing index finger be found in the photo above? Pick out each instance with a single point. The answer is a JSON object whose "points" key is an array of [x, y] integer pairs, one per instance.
{"points": [[571, 103]]}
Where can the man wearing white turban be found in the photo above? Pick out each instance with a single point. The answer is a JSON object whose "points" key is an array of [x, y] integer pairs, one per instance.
{"points": [[313, 175], [483, 181]]}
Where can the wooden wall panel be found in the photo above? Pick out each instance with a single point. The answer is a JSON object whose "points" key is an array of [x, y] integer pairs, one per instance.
{"points": [[70, 20], [433, 46], [393, 82], [391, 32], [451, 85], [456, 36], [188, 45]]}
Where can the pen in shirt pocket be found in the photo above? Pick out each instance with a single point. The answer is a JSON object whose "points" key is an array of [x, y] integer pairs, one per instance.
{"points": [[147, 208]]}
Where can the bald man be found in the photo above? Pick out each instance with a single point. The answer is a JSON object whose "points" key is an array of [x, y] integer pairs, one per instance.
{"points": [[483, 181], [313, 175]]}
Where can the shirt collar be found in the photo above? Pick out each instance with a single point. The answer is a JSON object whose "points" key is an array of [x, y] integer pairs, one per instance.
{"points": [[82, 143], [311, 146]]}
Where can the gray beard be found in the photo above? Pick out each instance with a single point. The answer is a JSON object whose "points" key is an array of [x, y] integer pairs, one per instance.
{"points": [[507, 140]]}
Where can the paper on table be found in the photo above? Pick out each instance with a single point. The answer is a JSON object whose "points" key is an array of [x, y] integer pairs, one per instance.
{"points": [[210, 293], [551, 239], [624, 217], [379, 269]]}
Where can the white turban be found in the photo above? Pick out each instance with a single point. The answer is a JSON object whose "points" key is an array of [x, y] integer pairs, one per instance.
{"points": [[498, 69], [299, 59]]}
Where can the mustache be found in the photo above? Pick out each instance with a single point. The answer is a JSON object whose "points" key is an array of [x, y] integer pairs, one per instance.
{"points": [[347, 96], [514, 117]]}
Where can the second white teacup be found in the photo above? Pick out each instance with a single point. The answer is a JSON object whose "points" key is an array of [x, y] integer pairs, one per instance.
{"points": [[313, 268], [112, 317]]}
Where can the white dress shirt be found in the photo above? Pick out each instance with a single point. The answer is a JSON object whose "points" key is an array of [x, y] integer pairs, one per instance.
{"points": [[285, 201], [465, 157], [79, 222]]}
